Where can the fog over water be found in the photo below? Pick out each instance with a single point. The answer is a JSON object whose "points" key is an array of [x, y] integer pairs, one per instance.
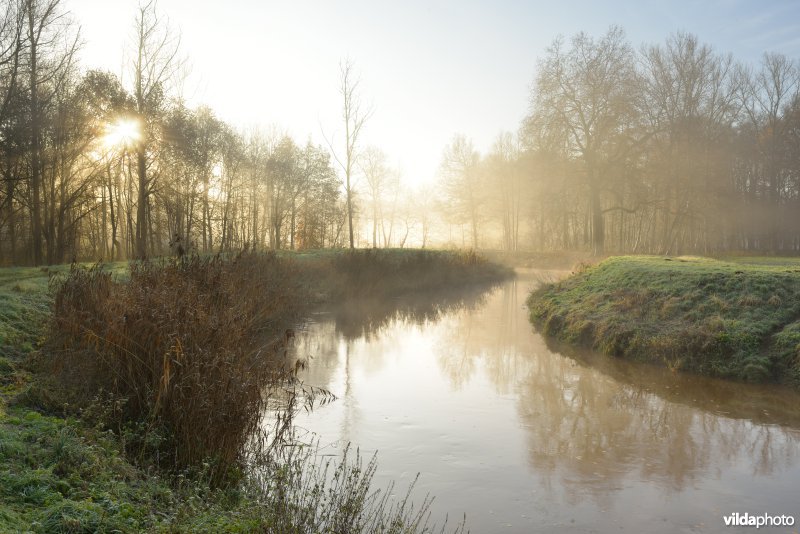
{"points": [[416, 143], [521, 436]]}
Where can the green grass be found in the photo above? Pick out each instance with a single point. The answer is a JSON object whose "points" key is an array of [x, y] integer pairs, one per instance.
{"points": [[55, 476], [734, 318], [25, 305], [58, 476]]}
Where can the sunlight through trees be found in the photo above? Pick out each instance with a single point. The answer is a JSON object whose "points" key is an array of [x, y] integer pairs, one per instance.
{"points": [[666, 148]]}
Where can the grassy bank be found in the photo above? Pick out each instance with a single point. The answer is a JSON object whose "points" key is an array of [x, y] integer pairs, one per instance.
{"points": [[130, 401], [730, 318]]}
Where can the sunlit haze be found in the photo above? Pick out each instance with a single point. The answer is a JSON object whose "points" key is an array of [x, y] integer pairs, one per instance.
{"points": [[121, 132], [429, 70], [539, 261]]}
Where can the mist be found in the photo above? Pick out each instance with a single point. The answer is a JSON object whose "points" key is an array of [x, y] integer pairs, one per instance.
{"points": [[545, 257], [671, 147]]}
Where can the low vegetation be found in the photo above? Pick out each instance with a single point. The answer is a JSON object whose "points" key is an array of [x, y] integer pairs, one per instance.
{"points": [[737, 318], [137, 404], [183, 349], [60, 476], [388, 273]]}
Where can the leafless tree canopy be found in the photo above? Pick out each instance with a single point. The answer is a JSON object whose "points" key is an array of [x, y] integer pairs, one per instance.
{"points": [[354, 115], [665, 148]]}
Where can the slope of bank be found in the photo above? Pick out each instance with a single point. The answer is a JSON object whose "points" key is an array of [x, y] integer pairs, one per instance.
{"points": [[92, 466], [736, 319]]}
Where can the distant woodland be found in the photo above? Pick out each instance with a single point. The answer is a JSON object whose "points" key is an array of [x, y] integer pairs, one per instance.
{"points": [[667, 148], [671, 148]]}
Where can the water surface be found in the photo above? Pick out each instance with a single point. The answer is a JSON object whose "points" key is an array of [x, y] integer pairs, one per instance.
{"points": [[525, 437]]}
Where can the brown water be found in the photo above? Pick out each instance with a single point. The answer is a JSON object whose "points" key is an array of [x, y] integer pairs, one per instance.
{"points": [[525, 437]]}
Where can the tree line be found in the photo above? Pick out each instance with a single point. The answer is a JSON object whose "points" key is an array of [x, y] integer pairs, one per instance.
{"points": [[671, 148], [91, 168]]}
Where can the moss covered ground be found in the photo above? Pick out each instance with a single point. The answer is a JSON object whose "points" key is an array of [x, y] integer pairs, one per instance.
{"points": [[737, 318]]}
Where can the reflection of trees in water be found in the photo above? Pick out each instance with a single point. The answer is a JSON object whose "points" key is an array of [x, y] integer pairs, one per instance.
{"points": [[360, 333], [759, 403], [592, 423], [319, 345], [489, 337], [368, 317], [596, 421], [364, 325], [583, 424]]}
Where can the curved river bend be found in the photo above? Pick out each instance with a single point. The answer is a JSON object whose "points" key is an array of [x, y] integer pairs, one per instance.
{"points": [[525, 437]]}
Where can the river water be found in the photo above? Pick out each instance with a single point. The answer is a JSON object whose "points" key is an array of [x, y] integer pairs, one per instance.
{"points": [[524, 436]]}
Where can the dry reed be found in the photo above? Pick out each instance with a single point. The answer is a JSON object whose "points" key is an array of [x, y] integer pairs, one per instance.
{"points": [[186, 349]]}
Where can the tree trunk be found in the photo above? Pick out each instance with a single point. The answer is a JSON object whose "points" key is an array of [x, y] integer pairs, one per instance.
{"points": [[141, 207], [598, 226], [36, 166], [350, 209]]}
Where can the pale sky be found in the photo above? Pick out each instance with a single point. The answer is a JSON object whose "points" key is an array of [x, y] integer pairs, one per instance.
{"points": [[430, 70]]}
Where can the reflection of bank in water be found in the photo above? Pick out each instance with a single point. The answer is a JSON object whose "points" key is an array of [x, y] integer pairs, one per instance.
{"points": [[760, 403], [366, 316], [607, 425], [513, 431]]}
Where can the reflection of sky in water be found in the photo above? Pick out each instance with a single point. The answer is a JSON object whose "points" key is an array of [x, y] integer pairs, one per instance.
{"points": [[519, 437]]}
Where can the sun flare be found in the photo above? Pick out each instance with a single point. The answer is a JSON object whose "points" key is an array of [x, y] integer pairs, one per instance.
{"points": [[123, 132]]}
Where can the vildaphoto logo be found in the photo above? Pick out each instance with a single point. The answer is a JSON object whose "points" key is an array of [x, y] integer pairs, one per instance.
{"points": [[764, 520]]}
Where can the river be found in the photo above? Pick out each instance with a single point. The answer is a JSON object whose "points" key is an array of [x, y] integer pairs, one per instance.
{"points": [[524, 436]]}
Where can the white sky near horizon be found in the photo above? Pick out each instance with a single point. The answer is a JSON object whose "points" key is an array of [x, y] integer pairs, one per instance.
{"points": [[429, 70]]}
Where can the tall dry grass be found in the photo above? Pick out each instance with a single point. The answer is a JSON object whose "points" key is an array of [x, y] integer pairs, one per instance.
{"points": [[306, 492], [185, 355]]}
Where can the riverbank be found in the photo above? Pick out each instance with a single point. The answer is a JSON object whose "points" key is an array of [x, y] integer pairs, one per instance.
{"points": [[733, 318], [96, 418]]}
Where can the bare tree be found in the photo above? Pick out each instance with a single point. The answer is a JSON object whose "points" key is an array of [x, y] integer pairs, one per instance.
{"points": [[282, 177], [587, 96], [155, 64], [502, 167], [375, 170], [768, 94], [424, 203], [11, 39], [354, 115], [51, 45], [691, 96], [463, 184], [208, 152], [106, 100], [392, 191]]}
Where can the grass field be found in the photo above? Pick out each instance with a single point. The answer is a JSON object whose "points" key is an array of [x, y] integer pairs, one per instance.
{"points": [[736, 318]]}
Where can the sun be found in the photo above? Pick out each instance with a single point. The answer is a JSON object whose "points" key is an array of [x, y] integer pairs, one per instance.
{"points": [[123, 132]]}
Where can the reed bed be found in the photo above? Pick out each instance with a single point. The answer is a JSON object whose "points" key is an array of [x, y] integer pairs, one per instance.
{"points": [[183, 356]]}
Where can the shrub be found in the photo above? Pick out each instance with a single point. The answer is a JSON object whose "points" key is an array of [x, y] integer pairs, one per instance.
{"points": [[186, 349]]}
